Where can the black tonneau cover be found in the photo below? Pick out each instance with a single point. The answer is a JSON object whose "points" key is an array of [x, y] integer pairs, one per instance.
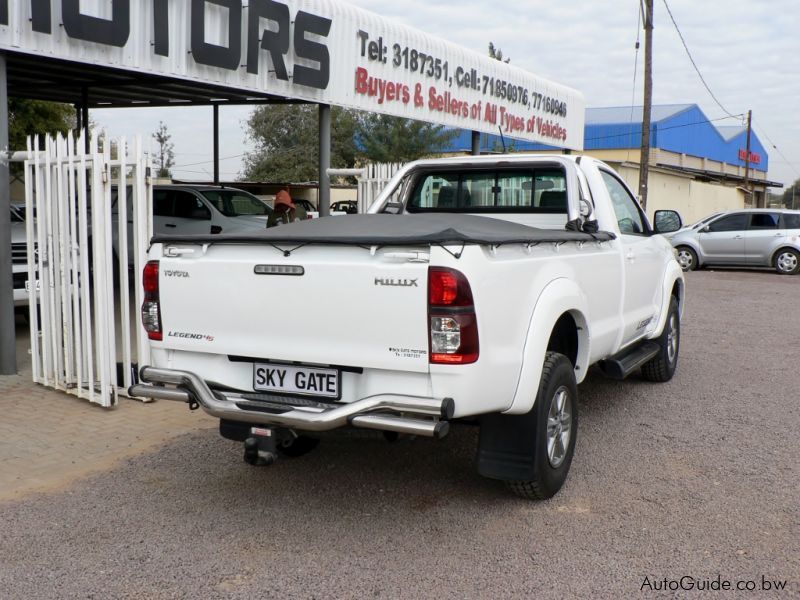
{"points": [[395, 230]]}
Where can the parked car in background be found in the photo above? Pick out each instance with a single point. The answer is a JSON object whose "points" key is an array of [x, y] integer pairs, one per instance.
{"points": [[751, 238], [349, 207], [311, 210], [19, 256], [193, 209], [306, 205]]}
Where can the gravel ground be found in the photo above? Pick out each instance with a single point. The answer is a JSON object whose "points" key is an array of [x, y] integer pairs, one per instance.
{"points": [[698, 477]]}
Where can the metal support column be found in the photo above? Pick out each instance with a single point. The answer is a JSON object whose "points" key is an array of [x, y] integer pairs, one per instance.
{"points": [[8, 338], [216, 144], [749, 198], [324, 200], [644, 168], [476, 143]]}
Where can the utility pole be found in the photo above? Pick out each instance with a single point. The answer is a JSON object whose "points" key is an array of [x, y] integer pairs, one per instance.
{"points": [[747, 194], [644, 161]]}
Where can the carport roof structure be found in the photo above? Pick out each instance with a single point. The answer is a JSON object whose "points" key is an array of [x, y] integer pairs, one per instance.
{"points": [[96, 86]]}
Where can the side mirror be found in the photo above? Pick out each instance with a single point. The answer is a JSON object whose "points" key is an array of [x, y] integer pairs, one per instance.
{"points": [[705, 229], [667, 221]]}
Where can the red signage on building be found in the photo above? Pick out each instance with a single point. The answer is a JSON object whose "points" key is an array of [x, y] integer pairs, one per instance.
{"points": [[755, 157]]}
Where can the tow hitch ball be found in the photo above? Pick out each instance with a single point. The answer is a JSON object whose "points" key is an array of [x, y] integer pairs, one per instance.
{"points": [[260, 447]]}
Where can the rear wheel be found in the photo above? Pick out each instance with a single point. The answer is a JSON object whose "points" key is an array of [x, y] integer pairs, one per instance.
{"points": [[554, 430], [787, 261], [687, 258], [662, 366]]}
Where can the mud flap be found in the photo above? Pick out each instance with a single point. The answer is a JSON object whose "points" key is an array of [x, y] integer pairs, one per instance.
{"points": [[507, 446]]}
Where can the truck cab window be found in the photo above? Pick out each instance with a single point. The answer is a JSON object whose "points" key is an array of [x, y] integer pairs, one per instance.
{"points": [[490, 191]]}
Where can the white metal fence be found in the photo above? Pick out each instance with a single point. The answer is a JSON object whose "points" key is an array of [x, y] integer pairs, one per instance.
{"points": [[375, 178], [88, 223]]}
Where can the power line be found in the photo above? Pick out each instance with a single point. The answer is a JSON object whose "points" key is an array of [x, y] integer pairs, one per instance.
{"points": [[636, 60], [205, 162], [778, 150], [694, 64]]}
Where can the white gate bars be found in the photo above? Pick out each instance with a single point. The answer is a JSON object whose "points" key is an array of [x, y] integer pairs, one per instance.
{"points": [[373, 182], [88, 222]]}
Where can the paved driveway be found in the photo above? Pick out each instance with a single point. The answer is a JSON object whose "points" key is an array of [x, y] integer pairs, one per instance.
{"points": [[697, 478]]}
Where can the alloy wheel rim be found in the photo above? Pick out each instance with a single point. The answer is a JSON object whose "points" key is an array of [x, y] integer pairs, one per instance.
{"points": [[559, 426], [685, 259], [787, 262], [672, 338]]}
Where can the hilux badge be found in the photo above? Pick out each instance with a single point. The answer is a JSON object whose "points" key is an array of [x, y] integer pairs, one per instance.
{"points": [[396, 282]]}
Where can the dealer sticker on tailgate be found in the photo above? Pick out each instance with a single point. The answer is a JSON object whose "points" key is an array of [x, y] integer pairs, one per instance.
{"points": [[296, 379]]}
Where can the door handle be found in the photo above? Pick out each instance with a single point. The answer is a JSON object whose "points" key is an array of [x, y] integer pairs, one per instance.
{"points": [[737, 237], [630, 255], [170, 225]]}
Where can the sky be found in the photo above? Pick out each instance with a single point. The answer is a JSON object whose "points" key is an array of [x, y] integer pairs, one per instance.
{"points": [[747, 51]]}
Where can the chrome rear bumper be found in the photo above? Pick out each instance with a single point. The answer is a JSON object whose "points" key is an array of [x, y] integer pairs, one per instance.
{"points": [[388, 412]]}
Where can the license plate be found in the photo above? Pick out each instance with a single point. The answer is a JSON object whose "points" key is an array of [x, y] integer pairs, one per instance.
{"points": [[297, 379], [28, 285]]}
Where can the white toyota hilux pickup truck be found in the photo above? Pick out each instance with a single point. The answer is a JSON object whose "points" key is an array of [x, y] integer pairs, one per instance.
{"points": [[477, 290]]}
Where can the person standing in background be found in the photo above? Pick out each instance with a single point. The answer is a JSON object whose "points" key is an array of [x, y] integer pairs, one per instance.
{"points": [[285, 210]]}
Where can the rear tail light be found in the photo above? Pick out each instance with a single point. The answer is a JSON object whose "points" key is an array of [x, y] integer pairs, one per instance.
{"points": [[151, 310], [453, 335]]}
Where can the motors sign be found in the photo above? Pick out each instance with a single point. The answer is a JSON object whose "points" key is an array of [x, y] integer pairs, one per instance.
{"points": [[320, 51]]}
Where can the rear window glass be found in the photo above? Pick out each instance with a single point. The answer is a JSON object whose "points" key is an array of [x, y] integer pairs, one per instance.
{"points": [[791, 221], [490, 191], [764, 220]]}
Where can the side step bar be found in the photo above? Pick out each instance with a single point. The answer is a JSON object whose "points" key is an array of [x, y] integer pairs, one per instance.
{"points": [[626, 362], [388, 412]]}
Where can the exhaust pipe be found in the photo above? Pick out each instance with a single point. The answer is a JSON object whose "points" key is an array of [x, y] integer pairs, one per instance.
{"points": [[437, 429], [159, 393]]}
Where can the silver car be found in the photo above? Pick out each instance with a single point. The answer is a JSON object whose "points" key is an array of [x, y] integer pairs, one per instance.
{"points": [[752, 238]]}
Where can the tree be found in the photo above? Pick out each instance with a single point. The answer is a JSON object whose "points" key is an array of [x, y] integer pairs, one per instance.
{"points": [[791, 197], [286, 137], [496, 53], [36, 117], [165, 157], [384, 139]]}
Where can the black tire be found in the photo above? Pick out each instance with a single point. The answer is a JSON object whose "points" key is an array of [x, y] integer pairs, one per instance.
{"points": [[557, 386], [687, 258], [787, 261], [298, 446], [662, 366]]}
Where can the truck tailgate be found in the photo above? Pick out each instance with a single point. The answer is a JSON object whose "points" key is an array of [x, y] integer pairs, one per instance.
{"points": [[328, 305]]}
